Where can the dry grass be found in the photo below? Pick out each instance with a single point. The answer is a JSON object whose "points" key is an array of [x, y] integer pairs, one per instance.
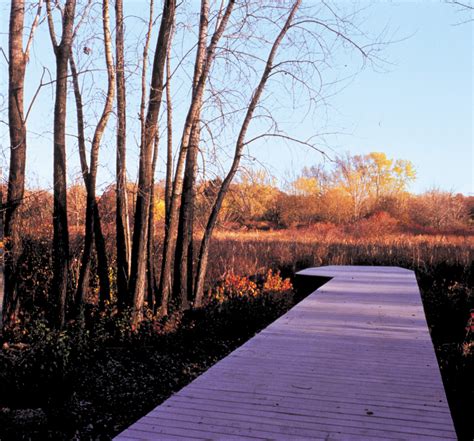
{"points": [[291, 250]]}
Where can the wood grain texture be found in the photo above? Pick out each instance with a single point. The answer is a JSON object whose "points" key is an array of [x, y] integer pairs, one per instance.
{"points": [[353, 361]]}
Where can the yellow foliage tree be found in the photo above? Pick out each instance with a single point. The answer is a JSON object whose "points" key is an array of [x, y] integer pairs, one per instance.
{"points": [[369, 178]]}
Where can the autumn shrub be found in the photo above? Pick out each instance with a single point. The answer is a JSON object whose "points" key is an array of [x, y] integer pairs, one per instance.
{"points": [[235, 286], [37, 213], [439, 210], [377, 225], [35, 274], [275, 283], [289, 210], [468, 344]]}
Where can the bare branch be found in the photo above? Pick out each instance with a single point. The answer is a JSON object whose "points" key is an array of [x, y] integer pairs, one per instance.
{"points": [[306, 143], [334, 31], [81, 19], [52, 32], [462, 4], [144, 69], [33, 28], [41, 84], [4, 55]]}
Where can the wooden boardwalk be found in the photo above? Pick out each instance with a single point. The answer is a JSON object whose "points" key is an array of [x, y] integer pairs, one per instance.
{"points": [[352, 361]]}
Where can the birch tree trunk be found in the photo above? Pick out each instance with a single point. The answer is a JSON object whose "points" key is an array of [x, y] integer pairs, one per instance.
{"points": [[84, 272]]}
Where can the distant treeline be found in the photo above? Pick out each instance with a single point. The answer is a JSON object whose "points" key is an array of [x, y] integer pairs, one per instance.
{"points": [[354, 189]]}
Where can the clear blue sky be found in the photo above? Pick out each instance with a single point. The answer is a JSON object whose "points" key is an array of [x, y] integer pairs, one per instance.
{"points": [[420, 108]]}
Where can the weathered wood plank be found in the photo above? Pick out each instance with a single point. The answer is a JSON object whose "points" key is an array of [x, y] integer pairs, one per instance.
{"points": [[353, 361], [303, 403], [299, 408], [349, 421]]}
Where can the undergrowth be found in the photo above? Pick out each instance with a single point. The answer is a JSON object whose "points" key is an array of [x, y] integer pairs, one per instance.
{"points": [[91, 382]]}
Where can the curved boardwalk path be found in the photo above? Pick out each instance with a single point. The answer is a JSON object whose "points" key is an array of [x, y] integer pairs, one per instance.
{"points": [[352, 361]]}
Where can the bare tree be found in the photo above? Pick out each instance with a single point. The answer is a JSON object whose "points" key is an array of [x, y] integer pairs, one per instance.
{"points": [[93, 224], [183, 283], [142, 210], [150, 271], [62, 51], [172, 224], [122, 220], [169, 155], [239, 146], [16, 179]]}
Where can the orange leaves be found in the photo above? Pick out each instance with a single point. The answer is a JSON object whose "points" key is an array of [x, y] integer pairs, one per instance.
{"points": [[275, 283], [234, 285]]}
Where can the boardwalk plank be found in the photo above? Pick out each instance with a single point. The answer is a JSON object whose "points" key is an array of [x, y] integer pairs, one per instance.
{"points": [[323, 418], [418, 411], [321, 406], [310, 395]]}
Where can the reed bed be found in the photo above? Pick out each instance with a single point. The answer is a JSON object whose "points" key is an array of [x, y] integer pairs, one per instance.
{"points": [[292, 250]]}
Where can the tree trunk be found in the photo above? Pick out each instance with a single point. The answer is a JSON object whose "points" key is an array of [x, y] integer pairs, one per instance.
{"points": [[93, 227], [60, 222], [122, 220], [142, 210], [169, 139], [102, 259], [84, 272], [183, 281], [151, 274], [171, 229], [204, 250], [16, 178]]}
